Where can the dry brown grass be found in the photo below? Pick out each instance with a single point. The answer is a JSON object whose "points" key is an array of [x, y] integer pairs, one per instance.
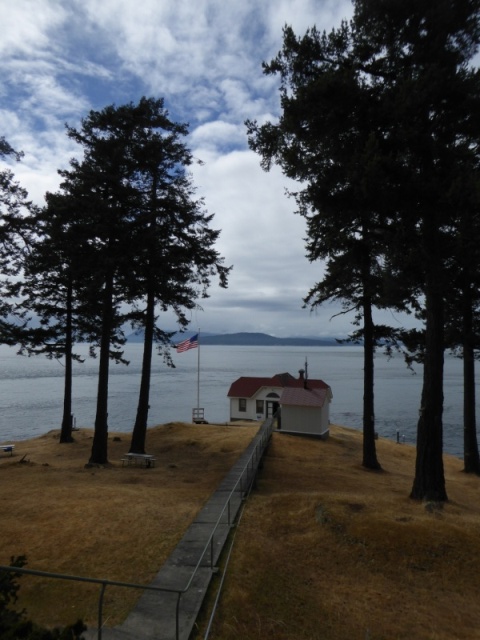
{"points": [[325, 549], [113, 522], [328, 550]]}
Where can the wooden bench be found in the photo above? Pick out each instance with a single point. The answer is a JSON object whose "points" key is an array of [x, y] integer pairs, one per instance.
{"points": [[8, 448], [143, 459]]}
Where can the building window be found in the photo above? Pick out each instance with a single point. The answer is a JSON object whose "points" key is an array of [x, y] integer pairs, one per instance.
{"points": [[259, 407], [242, 404]]}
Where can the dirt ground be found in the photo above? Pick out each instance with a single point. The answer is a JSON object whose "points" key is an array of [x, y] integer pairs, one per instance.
{"points": [[324, 550], [327, 550], [116, 522]]}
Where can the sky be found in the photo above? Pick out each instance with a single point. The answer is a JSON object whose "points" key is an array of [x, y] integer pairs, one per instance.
{"points": [[63, 58]]}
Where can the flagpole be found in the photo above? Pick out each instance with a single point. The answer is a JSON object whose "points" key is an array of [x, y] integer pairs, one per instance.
{"points": [[198, 371]]}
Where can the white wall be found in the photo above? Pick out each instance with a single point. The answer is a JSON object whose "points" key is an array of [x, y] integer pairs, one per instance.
{"points": [[251, 412], [309, 420]]}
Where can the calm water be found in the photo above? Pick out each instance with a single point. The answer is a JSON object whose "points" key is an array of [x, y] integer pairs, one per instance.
{"points": [[31, 389]]}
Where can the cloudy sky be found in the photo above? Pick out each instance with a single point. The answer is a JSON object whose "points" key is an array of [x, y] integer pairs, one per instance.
{"points": [[61, 58]]}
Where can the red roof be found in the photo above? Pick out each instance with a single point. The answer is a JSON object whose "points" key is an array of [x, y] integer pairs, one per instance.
{"points": [[247, 387], [303, 397]]}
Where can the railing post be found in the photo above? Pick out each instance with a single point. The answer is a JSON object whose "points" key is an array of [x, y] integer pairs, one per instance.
{"points": [[177, 616], [100, 611]]}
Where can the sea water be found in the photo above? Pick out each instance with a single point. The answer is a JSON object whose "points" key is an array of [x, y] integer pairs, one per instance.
{"points": [[31, 389]]}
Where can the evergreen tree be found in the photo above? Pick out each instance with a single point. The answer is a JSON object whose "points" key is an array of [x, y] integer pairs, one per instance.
{"points": [[57, 288], [101, 186], [15, 228], [329, 137], [395, 80], [176, 256], [463, 300], [149, 240], [420, 51]]}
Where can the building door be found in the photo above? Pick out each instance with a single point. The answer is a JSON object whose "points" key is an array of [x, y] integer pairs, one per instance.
{"points": [[272, 408]]}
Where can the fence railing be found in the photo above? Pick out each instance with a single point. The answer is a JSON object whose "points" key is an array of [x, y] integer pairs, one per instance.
{"points": [[246, 478]]}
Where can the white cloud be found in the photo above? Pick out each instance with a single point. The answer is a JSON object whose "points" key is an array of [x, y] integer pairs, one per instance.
{"points": [[304, 14], [261, 236], [216, 136], [26, 27], [65, 57]]}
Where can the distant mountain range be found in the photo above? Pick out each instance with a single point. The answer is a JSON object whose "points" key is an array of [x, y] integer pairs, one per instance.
{"points": [[246, 339], [264, 340]]}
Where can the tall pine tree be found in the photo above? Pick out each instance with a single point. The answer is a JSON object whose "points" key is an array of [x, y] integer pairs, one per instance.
{"points": [[150, 241], [175, 256], [394, 80]]}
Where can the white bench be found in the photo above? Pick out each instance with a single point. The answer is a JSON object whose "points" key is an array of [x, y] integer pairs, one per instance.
{"points": [[144, 459], [8, 448]]}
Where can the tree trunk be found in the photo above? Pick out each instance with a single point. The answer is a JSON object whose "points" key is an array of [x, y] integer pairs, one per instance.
{"points": [[99, 454], [66, 431], [139, 434], [429, 481], [369, 450], [471, 457]]}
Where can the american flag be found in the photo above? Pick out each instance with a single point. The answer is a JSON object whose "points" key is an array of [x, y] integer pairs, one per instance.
{"points": [[191, 343]]}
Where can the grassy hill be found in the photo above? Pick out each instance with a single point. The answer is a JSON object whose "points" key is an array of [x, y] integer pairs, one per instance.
{"points": [[324, 550]]}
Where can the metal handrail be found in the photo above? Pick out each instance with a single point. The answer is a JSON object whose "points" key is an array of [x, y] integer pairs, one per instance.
{"points": [[265, 435], [101, 581]]}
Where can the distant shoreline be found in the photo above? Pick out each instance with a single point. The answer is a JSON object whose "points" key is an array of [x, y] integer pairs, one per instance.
{"points": [[246, 339]]}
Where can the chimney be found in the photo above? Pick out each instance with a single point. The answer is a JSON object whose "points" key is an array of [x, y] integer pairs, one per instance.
{"points": [[301, 376]]}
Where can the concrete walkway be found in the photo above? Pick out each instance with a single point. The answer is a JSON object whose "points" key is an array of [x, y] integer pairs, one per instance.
{"points": [[194, 560]]}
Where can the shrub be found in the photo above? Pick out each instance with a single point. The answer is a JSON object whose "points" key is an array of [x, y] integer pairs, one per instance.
{"points": [[14, 625]]}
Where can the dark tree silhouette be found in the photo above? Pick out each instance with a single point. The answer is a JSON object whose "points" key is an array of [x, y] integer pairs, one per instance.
{"points": [[395, 82]]}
